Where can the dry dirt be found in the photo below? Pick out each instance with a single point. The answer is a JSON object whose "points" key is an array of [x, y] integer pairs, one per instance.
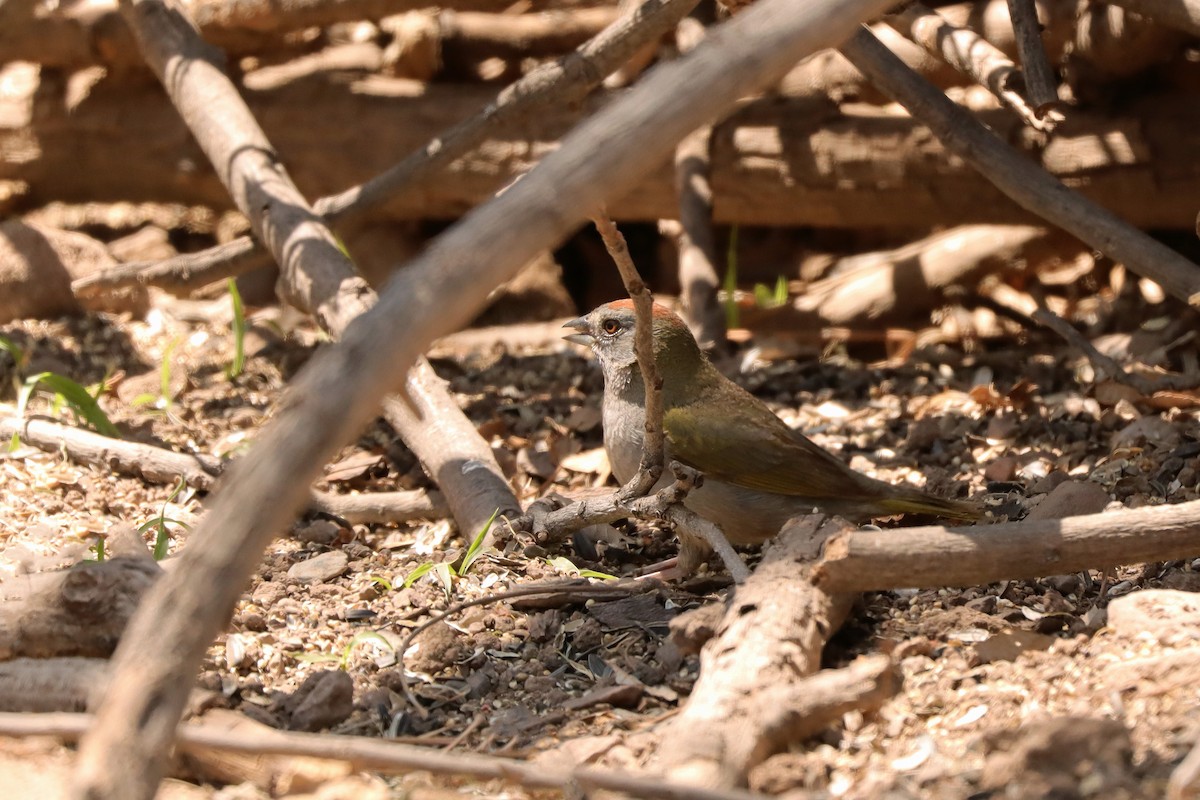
{"points": [[1020, 689]]}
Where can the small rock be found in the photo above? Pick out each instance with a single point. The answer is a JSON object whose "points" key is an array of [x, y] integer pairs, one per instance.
{"points": [[1071, 499], [433, 649], [1002, 470], [1183, 581], [252, 621], [984, 605], [1059, 757], [1049, 483], [322, 701], [1006, 646], [1001, 428], [318, 531], [1151, 430], [1166, 614], [319, 569], [619, 696], [1064, 584]]}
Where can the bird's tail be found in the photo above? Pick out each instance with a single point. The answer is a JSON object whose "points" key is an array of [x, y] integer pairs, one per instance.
{"points": [[917, 502]]}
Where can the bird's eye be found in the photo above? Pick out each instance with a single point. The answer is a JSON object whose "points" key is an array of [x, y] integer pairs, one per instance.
{"points": [[610, 326]]}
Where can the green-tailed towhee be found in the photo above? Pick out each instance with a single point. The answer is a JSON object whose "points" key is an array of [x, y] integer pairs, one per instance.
{"points": [[758, 472]]}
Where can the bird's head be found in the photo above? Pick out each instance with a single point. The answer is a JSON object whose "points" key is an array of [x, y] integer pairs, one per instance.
{"points": [[608, 330]]}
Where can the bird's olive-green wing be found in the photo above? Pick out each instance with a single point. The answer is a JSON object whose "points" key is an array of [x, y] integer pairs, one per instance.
{"points": [[749, 446]]}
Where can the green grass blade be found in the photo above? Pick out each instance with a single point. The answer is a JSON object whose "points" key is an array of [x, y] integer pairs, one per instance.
{"points": [[239, 331], [417, 574], [473, 552], [732, 316], [76, 396]]}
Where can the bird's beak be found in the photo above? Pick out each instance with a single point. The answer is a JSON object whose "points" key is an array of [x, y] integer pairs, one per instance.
{"points": [[581, 336]]}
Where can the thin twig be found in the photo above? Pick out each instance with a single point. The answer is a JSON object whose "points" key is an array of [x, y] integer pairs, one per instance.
{"points": [[165, 467], [1040, 85], [380, 755], [970, 54], [1104, 364], [1018, 177], [339, 391], [557, 83], [651, 467]]}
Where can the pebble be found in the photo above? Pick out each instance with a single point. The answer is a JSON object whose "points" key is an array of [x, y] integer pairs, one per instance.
{"points": [[319, 569], [1071, 499]]}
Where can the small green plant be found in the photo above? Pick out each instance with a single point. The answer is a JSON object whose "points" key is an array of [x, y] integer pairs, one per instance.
{"points": [[566, 566], [20, 359], [732, 317], [445, 571], [97, 550], [82, 403], [381, 582], [163, 401], [13, 349], [768, 298], [343, 661], [239, 332], [162, 533]]}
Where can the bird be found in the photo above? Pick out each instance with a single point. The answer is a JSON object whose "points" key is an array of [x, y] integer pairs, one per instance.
{"points": [[758, 472]]}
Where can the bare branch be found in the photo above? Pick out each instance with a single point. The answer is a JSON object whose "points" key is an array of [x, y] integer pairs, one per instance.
{"points": [[1040, 84], [340, 388], [1020, 179], [372, 753], [162, 466], [693, 234], [970, 54], [651, 467], [934, 556], [559, 83]]}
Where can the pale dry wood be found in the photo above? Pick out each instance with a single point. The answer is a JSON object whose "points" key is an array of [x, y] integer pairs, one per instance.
{"points": [[1133, 161], [935, 556], [339, 390], [1021, 179], [379, 755], [698, 278], [181, 274], [465, 127], [162, 466], [478, 35], [152, 464], [773, 631], [450, 449], [72, 37], [1003, 299], [316, 275], [557, 84], [885, 286], [969, 53], [381, 507], [1184, 783], [1181, 14]]}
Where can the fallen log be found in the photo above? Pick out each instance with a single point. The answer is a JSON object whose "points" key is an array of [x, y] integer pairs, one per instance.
{"points": [[862, 167], [773, 631]]}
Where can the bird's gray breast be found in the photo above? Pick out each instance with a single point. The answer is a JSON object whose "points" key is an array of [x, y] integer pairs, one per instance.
{"points": [[624, 419]]}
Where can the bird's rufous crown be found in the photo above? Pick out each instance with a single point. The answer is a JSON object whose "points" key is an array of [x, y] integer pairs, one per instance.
{"points": [[657, 311]]}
